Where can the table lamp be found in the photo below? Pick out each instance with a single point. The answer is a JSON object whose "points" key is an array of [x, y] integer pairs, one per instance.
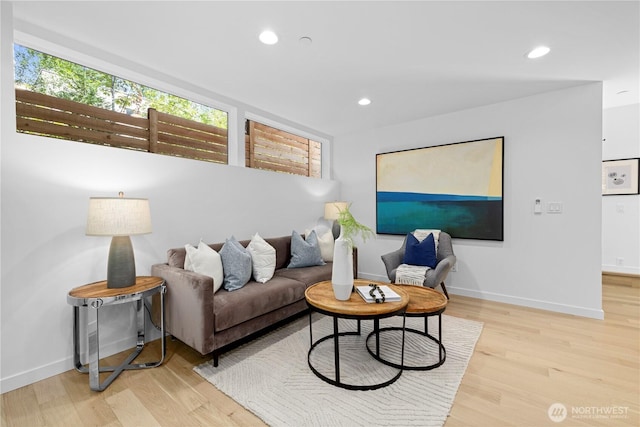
{"points": [[120, 218], [332, 213]]}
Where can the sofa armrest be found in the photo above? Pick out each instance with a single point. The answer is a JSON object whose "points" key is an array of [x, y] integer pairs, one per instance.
{"points": [[188, 306]]}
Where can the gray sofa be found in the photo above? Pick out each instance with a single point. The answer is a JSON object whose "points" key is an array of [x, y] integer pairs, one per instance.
{"points": [[208, 321]]}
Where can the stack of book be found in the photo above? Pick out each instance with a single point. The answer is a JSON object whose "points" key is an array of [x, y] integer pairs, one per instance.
{"points": [[389, 294]]}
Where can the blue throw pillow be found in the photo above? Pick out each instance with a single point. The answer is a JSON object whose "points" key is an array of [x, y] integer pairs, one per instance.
{"points": [[236, 264], [420, 253], [305, 253]]}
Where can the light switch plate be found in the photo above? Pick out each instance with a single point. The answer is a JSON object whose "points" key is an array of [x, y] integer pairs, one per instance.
{"points": [[554, 207]]}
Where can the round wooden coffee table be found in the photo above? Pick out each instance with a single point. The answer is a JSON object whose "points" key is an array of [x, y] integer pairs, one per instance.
{"points": [[320, 298], [423, 302]]}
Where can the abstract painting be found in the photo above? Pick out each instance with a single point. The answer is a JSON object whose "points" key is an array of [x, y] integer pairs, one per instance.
{"points": [[456, 188]]}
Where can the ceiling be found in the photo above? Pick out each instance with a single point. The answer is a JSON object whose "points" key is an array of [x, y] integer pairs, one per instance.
{"points": [[413, 59]]}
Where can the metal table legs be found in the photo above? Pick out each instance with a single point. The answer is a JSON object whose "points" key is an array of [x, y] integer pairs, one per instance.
{"points": [[94, 368], [336, 346], [442, 353]]}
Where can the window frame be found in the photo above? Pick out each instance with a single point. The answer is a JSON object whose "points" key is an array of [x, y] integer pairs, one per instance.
{"points": [[324, 142], [237, 112]]}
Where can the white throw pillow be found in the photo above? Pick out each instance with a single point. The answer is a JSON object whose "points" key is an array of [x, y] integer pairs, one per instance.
{"points": [[325, 241], [263, 258], [421, 234], [206, 261]]}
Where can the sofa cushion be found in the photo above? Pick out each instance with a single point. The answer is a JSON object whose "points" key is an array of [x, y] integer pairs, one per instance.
{"points": [[204, 260], [253, 300], [176, 257], [263, 259], [305, 253], [325, 241], [307, 275], [236, 263], [282, 245]]}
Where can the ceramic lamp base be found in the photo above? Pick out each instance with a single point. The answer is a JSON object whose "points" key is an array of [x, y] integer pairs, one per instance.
{"points": [[121, 267]]}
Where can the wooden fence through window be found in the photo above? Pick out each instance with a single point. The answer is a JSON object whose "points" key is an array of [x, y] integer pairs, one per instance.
{"points": [[161, 133], [276, 150]]}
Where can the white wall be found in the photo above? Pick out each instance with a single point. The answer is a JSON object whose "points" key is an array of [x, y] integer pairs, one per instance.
{"points": [[46, 184], [552, 151], [45, 187], [621, 214]]}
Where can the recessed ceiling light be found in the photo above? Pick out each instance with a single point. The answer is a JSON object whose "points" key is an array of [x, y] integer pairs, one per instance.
{"points": [[305, 41], [364, 101], [268, 37], [622, 92], [538, 52]]}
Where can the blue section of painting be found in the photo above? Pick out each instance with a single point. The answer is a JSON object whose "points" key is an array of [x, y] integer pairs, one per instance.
{"points": [[464, 217], [397, 196]]}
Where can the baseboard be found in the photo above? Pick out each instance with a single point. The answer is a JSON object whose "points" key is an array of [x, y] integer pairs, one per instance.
{"points": [[57, 367], [508, 299], [528, 302], [621, 279], [31, 376], [632, 271]]}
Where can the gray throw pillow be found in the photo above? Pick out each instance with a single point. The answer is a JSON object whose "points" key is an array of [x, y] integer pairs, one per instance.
{"points": [[305, 253], [236, 264]]}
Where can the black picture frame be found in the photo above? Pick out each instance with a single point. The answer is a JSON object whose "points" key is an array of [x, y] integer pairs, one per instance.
{"points": [[620, 177]]}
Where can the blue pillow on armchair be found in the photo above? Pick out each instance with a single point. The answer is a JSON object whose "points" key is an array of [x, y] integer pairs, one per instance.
{"points": [[420, 253]]}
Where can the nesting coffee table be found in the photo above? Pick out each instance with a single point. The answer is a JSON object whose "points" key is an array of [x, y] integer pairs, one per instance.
{"points": [[423, 302], [321, 299]]}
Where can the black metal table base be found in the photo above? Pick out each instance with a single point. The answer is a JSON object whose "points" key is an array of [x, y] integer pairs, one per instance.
{"points": [[335, 336], [442, 352]]}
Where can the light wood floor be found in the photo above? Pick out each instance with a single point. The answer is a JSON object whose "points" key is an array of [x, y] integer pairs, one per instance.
{"points": [[525, 360]]}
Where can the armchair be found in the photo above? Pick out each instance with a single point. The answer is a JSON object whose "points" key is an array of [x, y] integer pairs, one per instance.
{"points": [[435, 276]]}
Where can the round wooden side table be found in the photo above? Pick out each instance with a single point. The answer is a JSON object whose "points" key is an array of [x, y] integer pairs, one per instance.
{"points": [[320, 298], [423, 302], [95, 296]]}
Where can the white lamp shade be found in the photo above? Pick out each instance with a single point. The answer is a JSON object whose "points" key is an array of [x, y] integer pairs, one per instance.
{"points": [[332, 209], [118, 216]]}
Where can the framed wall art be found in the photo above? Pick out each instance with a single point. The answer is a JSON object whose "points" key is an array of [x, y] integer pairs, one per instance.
{"points": [[457, 188], [620, 177]]}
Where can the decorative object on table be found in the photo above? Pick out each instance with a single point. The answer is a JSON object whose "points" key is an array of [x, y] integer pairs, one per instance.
{"points": [[373, 293], [400, 272], [120, 218], [620, 177], [342, 272], [455, 187]]}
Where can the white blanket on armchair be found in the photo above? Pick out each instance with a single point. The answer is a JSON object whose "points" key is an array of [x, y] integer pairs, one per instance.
{"points": [[411, 274]]}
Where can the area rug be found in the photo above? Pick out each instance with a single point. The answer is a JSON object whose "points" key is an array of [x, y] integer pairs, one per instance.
{"points": [[270, 376]]}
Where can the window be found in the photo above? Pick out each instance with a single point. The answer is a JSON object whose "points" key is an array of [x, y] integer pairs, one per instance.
{"points": [[61, 99], [273, 149]]}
